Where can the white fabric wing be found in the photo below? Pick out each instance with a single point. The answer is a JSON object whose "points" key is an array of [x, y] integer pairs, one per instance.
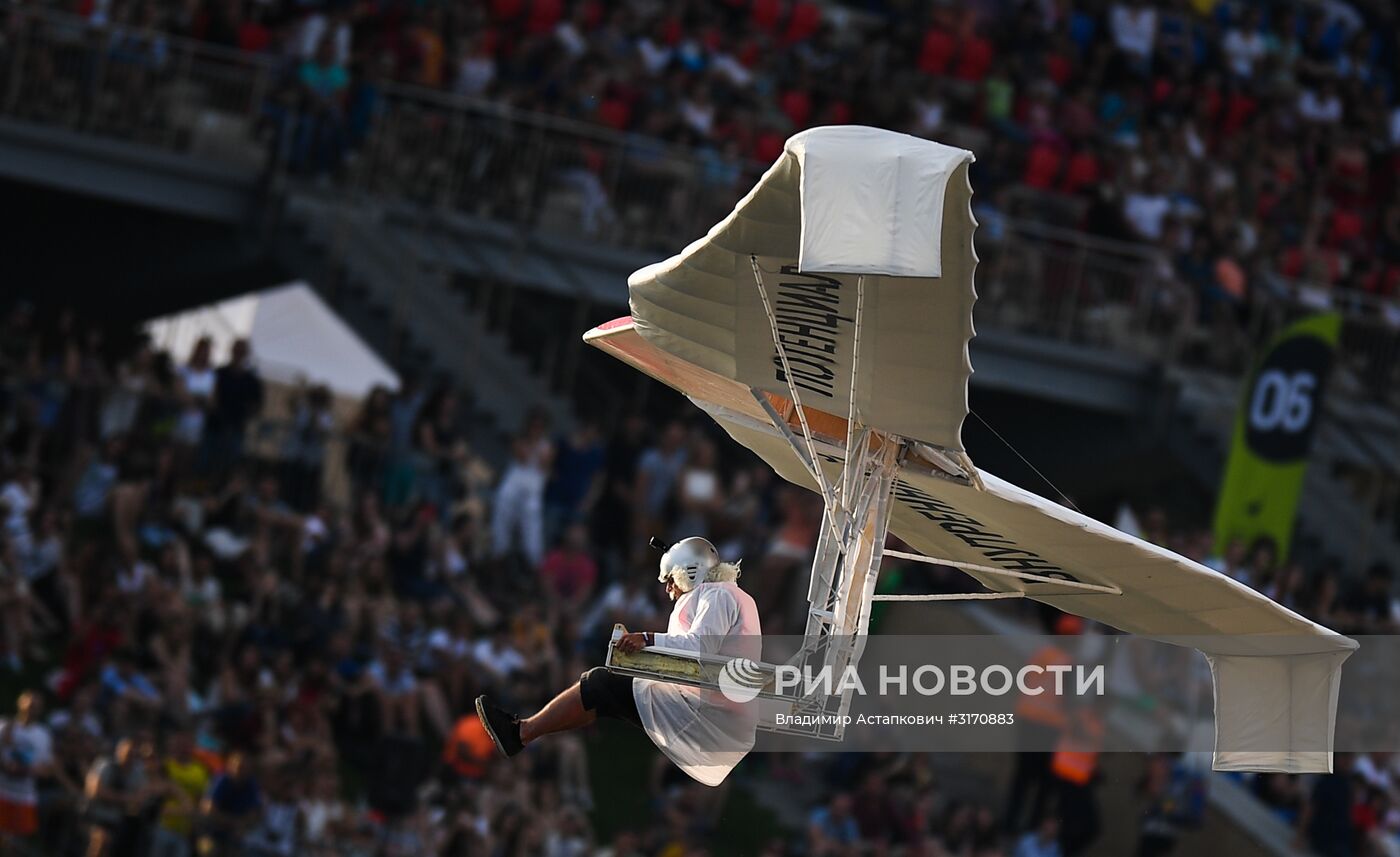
{"points": [[1277, 674], [840, 203]]}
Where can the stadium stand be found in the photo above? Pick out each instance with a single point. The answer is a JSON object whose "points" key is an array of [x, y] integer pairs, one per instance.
{"points": [[250, 669]]}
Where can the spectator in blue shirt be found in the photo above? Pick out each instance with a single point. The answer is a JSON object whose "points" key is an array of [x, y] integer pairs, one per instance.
{"points": [[325, 81], [234, 802], [126, 693], [831, 827], [577, 480], [1044, 841]]}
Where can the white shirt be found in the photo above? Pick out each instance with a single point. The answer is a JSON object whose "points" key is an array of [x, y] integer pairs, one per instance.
{"points": [[701, 117], [570, 39], [1134, 30], [277, 829], [88, 722], [503, 661], [616, 599], [42, 558], [133, 579], [1314, 108], [1243, 48], [34, 745], [731, 68], [1194, 144], [314, 28], [318, 815], [700, 486], [929, 114], [700, 730], [655, 56], [450, 564], [445, 643], [202, 593], [474, 74], [18, 499], [1146, 212], [1372, 773], [198, 382]]}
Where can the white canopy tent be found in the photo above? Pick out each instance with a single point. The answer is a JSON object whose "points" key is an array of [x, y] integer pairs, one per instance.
{"points": [[295, 338], [824, 325]]}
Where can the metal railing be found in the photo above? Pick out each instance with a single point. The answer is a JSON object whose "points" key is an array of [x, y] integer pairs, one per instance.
{"points": [[132, 83], [1127, 298], [1090, 291], [455, 154], [539, 171]]}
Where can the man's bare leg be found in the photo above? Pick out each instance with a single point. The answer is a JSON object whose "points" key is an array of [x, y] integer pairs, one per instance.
{"points": [[564, 712]]}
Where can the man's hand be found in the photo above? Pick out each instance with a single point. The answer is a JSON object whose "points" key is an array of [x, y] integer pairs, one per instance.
{"points": [[631, 642]]}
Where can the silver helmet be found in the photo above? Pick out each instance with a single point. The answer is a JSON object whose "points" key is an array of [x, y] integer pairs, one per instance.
{"points": [[688, 562]]}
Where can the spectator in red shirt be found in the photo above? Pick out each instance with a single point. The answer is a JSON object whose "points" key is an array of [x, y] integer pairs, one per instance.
{"points": [[1059, 62], [1346, 226], [544, 14], [1043, 166], [936, 56], [1239, 109], [768, 145], [975, 59], [253, 35], [803, 22], [507, 10], [765, 14], [1082, 171], [568, 572], [797, 106]]}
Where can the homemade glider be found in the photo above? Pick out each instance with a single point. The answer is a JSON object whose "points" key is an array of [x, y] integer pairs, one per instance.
{"points": [[824, 324]]}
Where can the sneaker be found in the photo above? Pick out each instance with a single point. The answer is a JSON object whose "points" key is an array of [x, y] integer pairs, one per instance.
{"points": [[501, 725]]}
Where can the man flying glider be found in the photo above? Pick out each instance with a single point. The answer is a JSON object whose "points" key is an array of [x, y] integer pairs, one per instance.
{"points": [[701, 730]]}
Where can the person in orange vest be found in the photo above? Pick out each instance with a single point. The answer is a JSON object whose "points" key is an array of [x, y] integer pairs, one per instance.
{"points": [[1039, 721], [1074, 766], [468, 751]]}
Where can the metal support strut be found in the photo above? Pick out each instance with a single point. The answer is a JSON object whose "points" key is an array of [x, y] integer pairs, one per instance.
{"points": [[846, 566]]}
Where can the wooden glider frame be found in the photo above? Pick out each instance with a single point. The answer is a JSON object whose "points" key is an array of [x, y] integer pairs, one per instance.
{"points": [[851, 542]]}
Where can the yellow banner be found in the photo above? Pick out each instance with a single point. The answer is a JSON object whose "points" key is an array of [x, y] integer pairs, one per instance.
{"points": [[1278, 416]]}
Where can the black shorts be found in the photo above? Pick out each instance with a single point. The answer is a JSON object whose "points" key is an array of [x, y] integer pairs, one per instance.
{"points": [[609, 695]]}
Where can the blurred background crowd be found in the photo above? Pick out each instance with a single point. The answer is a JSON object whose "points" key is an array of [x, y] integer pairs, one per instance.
{"points": [[206, 651], [1253, 145], [211, 654]]}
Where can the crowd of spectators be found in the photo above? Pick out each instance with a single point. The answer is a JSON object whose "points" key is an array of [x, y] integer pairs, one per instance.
{"points": [[1244, 155], [1360, 603], [1247, 147], [1352, 812], [214, 655], [208, 653], [218, 655], [1252, 144], [212, 651]]}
